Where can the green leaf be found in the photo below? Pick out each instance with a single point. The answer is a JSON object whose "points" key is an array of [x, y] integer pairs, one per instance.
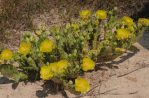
{"points": [[10, 71]]}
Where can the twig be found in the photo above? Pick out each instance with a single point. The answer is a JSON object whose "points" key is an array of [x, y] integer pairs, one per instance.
{"points": [[94, 87], [108, 91], [134, 92], [63, 92], [99, 89], [96, 94], [121, 94], [131, 71]]}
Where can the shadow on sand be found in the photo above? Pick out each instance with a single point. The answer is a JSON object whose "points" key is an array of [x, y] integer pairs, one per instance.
{"points": [[49, 87]]}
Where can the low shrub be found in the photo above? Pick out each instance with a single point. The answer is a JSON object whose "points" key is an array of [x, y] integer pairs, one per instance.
{"points": [[64, 52]]}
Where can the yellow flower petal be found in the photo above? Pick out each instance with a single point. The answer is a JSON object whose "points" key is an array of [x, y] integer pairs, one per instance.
{"points": [[54, 68], [88, 64], [85, 14], [6, 54], [143, 21], [46, 46], [82, 85], [24, 48], [122, 34], [126, 20], [62, 65], [46, 73], [101, 14], [120, 50]]}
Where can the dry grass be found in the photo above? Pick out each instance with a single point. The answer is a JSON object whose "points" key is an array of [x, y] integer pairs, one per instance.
{"points": [[16, 14], [19, 15]]}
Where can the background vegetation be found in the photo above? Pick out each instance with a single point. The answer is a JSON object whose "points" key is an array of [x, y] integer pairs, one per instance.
{"points": [[24, 15]]}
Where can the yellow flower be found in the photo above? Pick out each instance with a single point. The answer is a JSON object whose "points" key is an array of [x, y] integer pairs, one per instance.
{"points": [[122, 34], [88, 64], [24, 48], [6, 54], [120, 50], [46, 45], [101, 14], [126, 20], [46, 73], [54, 68], [58, 67], [82, 85], [131, 28], [85, 14], [62, 65], [143, 21]]}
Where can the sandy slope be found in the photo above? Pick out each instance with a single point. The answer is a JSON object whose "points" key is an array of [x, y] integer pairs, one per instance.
{"points": [[126, 79]]}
